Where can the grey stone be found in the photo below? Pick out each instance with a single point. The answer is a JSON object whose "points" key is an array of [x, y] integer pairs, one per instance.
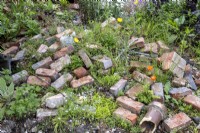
{"points": [[190, 80], [106, 61], [42, 113], [42, 49], [158, 91], [55, 101], [43, 63], [60, 82], [20, 77], [20, 55], [119, 86], [59, 64], [66, 40], [36, 37], [85, 58], [60, 29]]}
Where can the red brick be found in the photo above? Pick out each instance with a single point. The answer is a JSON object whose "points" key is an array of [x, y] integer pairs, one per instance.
{"points": [[80, 72], [53, 74], [193, 100], [179, 82], [38, 80], [60, 63], [11, 50], [67, 32], [85, 58], [54, 46], [137, 64], [42, 49], [82, 81], [135, 42], [136, 89], [162, 47], [142, 78], [63, 52], [125, 115], [130, 104], [197, 82], [177, 122]]}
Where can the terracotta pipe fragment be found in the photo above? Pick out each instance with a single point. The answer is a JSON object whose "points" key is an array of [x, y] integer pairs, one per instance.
{"points": [[156, 112]]}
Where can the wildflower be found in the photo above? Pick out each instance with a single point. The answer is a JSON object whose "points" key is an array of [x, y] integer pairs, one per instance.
{"points": [[76, 40], [119, 20], [149, 68], [136, 2], [153, 78]]}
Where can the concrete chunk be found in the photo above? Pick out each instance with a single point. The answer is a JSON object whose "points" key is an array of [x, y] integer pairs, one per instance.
{"points": [[106, 61], [119, 86], [55, 101], [20, 77], [43, 113], [60, 82]]}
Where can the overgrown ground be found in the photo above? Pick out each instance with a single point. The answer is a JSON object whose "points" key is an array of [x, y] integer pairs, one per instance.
{"points": [[92, 105]]}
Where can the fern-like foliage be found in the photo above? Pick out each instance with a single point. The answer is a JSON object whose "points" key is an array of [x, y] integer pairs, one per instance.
{"points": [[6, 92]]}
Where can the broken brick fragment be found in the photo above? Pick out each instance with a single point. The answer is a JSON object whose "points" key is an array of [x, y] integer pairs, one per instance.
{"points": [[178, 93], [80, 72], [39, 80], [193, 100], [82, 81], [11, 50]]}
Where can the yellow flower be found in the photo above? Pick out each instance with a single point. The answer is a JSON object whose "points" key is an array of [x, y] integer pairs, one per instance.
{"points": [[119, 20], [135, 2], [76, 40]]}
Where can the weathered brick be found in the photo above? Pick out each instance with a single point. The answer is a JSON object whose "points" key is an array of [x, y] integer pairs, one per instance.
{"points": [[66, 50], [197, 82], [135, 42], [60, 29], [119, 86], [130, 104], [125, 115], [173, 62], [36, 37], [66, 32], [54, 46], [42, 49], [38, 80], [178, 93], [189, 78], [177, 122], [137, 64], [20, 77], [42, 113], [61, 81], [53, 74], [59, 64], [20, 55], [110, 20], [193, 100], [80, 72], [51, 40], [82, 81], [43, 63], [158, 91], [162, 47], [179, 82], [55, 101], [150, 47], [106, 61], [11, 50], [142, 78], [85, 58], [134, 91]]}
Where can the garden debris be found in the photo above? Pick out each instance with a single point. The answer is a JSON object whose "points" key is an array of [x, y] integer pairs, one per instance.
{"points": [[155, 114], [80, 72], [193, 100], [20, 77], [60, 63], [126, 115], [61, 81], [39, 80], [177, 122], [53, 74], [179, 93], [55, 101], [85, 58], [179, 82], [118, 87], [43, 63], [134, 91], [43, 113], [157, 89], [106, 61], [82, 81], [129, 104]]}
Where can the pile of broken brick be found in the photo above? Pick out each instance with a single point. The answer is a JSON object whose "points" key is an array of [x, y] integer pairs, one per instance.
{"points": [[185, 82], [48, 73]]}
